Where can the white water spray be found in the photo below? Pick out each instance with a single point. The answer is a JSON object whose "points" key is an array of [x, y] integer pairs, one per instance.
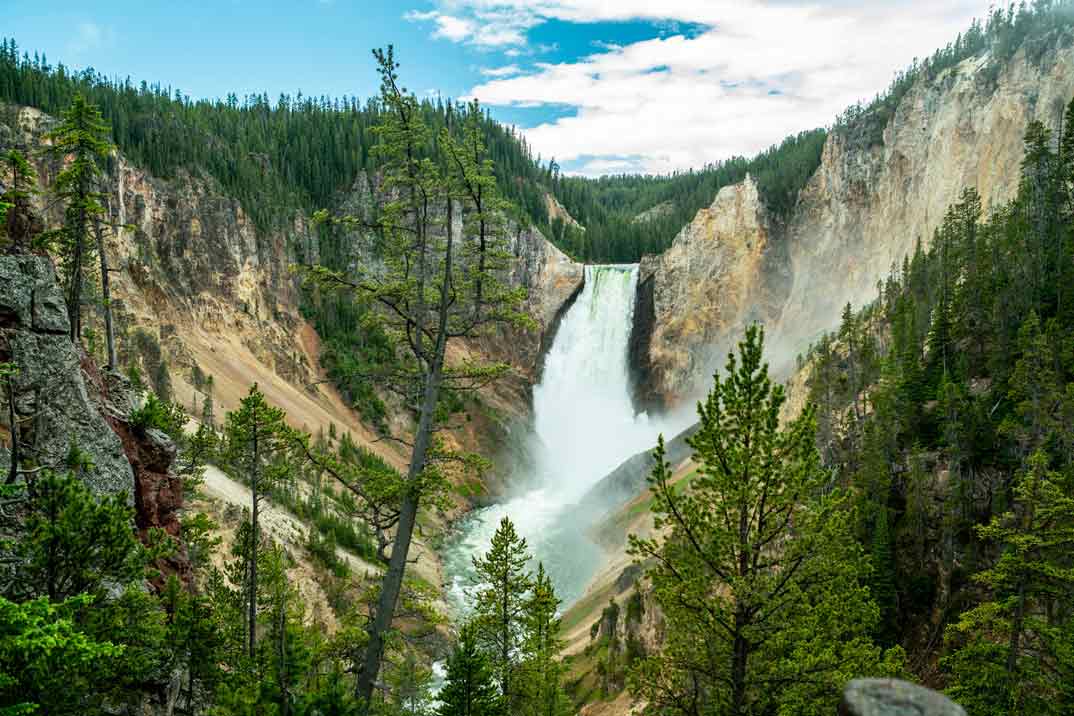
{"points": [[585, 427]]}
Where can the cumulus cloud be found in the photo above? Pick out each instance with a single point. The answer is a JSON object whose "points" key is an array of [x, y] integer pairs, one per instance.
{"points": [[756, 71], [484, 25], [448, 27]]}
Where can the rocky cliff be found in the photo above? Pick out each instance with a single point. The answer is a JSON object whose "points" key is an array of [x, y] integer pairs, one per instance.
{"points": [[861, 212], [52, 407], [194, 272], [698, 292], [57, 402]]}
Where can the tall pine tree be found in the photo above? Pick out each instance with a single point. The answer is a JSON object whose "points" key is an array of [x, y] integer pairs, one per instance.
{"points": [[469, 689], [256, 433], [500, 608], [756, 570], [1011, 651], [432, 285], [541, 690], [81, 142]]}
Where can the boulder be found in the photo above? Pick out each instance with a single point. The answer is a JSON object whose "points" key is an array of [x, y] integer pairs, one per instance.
{"points": [[891, 697]]}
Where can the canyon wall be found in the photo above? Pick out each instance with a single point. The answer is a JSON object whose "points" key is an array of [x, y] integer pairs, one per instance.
{"points": [[58, 402], [193, 271], [698, 292], [861, 213]]}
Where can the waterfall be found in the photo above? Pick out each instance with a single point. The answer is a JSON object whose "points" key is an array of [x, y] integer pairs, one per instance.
{"points": [[585, 426]]}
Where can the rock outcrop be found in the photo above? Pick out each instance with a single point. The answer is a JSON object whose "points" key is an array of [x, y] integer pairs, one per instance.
{"points": [[654, 212], [62, 402], [552, 281], [158, 490], [862, 211], [558, 211], [628, 629], [698, 292], [54, 411], [891, 697]]}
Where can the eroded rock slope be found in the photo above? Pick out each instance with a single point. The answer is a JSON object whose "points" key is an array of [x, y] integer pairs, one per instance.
{"points": [[861, 213]]}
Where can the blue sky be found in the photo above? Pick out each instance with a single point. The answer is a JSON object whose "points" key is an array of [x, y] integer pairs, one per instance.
{"points": [[630, 85]]}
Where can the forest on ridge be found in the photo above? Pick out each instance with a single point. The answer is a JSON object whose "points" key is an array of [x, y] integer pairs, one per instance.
{"points": [[913, 520]]}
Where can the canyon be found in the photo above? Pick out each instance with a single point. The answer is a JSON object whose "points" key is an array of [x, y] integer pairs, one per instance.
{"points": [[615, 354], [861, 213]]}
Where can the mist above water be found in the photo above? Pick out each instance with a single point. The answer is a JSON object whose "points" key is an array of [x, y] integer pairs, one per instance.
{"points": [[585, 426]]}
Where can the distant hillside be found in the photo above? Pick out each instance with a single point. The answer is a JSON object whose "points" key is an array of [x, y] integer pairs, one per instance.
{"points": [[276, 157], [607, 206], [299, 153]]}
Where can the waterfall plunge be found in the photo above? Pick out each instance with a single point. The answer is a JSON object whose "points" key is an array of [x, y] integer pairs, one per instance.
{"points": [[585, 427]]}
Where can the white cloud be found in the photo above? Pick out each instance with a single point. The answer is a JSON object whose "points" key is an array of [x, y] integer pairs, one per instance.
{"points": [[453, 28], [90, 36], [758, 71], [484, 27], [598, 167], [506, 71]]}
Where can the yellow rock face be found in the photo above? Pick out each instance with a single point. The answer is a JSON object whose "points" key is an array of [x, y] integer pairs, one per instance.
{"points": [[863, 211], [706, 285]]}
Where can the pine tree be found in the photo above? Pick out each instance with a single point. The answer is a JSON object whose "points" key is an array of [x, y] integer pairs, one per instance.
{"points": [[501, 600], [755, 569], [1035, 386], [1011, 652], [472, 180], [81, 141], [106, 296], [193, 634], [469, 689], [46, 658], [969, 299], [849, 333], [162, 381], [208, 407], [882, 584], [256, 433], [72, 543], [280, 597], [409, 682], [939, 341], [430, 287], [81, 629], [195, 456], [18, 224], [541, 691]]}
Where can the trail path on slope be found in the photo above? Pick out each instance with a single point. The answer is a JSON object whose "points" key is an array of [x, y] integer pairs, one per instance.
{"points": [[276, 521], [290, 530]]}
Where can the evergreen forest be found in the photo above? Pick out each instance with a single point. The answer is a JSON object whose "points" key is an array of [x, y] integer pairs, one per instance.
{"points": [[910, 516]]}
